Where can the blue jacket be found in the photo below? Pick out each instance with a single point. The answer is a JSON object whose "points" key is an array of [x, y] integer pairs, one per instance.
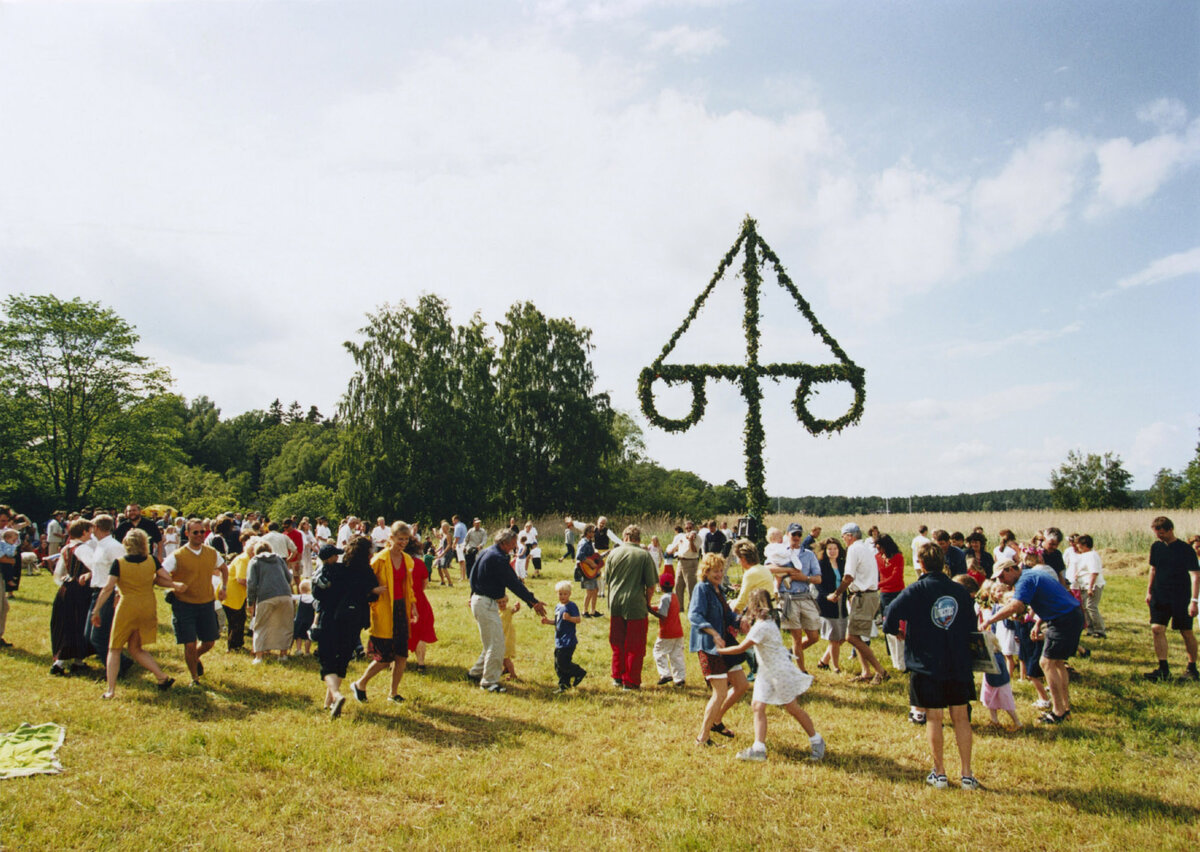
{"points": [[707, 609], [940, 617]]}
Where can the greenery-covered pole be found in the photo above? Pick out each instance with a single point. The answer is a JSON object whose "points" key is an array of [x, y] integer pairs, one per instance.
{"points": [[753, 436], [757, 253]]}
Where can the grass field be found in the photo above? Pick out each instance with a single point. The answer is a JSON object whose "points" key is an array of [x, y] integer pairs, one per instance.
{"points": [[252, 761]]}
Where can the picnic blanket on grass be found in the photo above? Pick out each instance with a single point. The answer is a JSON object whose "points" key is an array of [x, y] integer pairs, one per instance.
{"points": [[31, 750]]}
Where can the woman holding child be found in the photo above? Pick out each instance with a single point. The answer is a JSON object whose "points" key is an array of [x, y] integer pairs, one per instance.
{"points": [[712, 629]]}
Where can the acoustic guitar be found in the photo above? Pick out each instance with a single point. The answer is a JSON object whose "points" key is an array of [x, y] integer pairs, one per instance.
{"points": [[591, 566]]}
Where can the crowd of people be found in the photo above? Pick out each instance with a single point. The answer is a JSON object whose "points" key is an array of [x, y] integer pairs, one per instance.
{"points": [[1014, 612]]}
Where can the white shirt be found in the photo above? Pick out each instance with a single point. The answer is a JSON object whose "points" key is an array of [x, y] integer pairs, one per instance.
{"points": [[1087, 564], [862, 567], [917, 543], [322, 533], [169, 562], [778, 554], [280, 544], [98, 555], [684, 546], [1002, 553], [344, 534], [380, 536], [1070, 556]]}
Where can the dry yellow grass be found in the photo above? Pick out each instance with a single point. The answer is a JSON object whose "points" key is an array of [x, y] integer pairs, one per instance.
{"points": [[252, 762]]}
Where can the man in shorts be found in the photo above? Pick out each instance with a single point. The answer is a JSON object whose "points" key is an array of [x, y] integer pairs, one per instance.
{"points": [[862, 580], [801, 577], [1041, 590], [192, 612], [939, 616], [460, 545], [1172, 594]]}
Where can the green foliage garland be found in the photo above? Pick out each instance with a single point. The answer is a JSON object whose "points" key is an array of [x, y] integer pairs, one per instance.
{"points": [[756, 253]]}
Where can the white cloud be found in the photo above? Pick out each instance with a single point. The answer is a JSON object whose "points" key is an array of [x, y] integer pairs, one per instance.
{"points": [[1023, 337], [686, 42], [980, 408], [965, 453], [1165, 114], [1063, 105], [1158, 445], [1029, 197], [568, 12], [1130, 173], [1164, 269], [901, 237]]}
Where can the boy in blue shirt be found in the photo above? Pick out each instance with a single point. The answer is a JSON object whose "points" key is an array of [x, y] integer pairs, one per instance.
{"points": [[566, 616]]}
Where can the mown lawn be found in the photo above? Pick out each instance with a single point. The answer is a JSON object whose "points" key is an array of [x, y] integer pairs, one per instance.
{"points": [[252, 761]]}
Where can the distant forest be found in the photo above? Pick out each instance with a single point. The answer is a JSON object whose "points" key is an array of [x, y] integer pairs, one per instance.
{"points": [[983, 501]]}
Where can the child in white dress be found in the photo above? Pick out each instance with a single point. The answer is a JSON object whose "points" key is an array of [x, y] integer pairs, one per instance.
{"points": [[778, 680]]}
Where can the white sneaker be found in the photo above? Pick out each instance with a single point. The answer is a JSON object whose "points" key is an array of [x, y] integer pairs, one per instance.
{"points": [[936, 781], [257, 661], [818, 748], [752, 754], [1042, 704], [970, 782]]}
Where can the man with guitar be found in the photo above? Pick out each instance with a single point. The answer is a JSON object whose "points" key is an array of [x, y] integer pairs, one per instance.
{"points": [[589, 563]]}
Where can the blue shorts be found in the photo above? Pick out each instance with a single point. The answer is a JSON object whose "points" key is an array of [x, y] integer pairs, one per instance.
{"points": [[194, 622]]}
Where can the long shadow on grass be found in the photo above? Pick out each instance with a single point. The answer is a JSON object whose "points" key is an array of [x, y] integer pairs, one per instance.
{"points": [[226, 701], [445, 727], [1107, 801], [855, 762]]}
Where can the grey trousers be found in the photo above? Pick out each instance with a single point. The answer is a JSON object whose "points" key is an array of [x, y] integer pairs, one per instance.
{"points": [[490, 665], [1091, 611]]}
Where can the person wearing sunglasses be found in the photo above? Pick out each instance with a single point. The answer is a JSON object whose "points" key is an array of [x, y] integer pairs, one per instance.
{"points": [[193, 616]]}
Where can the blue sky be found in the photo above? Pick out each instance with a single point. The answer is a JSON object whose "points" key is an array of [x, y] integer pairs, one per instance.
{"points": [[992, 206]]}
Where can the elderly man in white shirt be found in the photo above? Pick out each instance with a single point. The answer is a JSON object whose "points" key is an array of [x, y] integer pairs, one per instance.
{"points": [[686, 549], [98, 554], [862, 581], [280, 543], [345, 531], [380, 534]]}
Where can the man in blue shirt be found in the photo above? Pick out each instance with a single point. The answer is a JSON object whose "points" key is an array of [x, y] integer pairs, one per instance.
{"points": [[1039, 589], [810, 540], [460, 544], [490, 576], [955, 559]]}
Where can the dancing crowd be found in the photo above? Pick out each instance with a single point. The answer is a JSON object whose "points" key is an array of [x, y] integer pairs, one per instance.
{"points": [[1015, 612]]}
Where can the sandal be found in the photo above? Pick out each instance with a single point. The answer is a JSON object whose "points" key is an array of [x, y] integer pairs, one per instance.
{"points": [[823, 665], [703, 743], [720, 728]]}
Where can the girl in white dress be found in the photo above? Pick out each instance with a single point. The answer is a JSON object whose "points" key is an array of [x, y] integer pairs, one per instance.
{"points": [[170, 539], [778, 680]]}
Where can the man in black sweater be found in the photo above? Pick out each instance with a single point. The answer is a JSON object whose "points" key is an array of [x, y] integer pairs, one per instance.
{"points": [[490, 576]]}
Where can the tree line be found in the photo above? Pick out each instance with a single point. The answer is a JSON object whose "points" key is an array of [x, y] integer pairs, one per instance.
{"points": [[437, 418]]}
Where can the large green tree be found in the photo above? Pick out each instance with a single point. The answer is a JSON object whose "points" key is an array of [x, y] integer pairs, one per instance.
{"points": [[85, 407], [413, 412], [1091, 481], [558, 436]]}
